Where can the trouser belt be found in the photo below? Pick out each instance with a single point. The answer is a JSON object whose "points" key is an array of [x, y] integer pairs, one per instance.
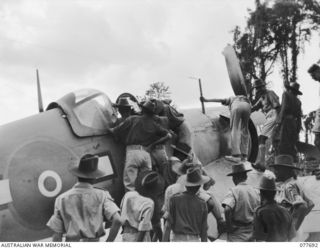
{"points": [[135, 147]]}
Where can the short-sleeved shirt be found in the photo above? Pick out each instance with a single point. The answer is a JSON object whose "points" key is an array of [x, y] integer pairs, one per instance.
{"points": [[273, 223], [140, 130], [243, 199], [290, 194], [79, 212], [137, 211], [188, 214]]}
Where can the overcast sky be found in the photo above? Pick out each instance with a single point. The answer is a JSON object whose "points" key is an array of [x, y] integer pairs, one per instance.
{"points": [[122, 46]]}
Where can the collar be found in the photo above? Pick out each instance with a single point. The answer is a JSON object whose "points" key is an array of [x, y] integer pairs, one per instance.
{"points": [[266, 202], [242, 183], [287, 181], [83, 185]]}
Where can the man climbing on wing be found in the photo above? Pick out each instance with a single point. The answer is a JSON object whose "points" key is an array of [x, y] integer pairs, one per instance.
{"points": [[240, 110], [140, 135]]}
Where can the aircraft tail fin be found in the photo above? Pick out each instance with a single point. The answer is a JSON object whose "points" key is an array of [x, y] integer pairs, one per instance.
{"points": [[40, 103]]}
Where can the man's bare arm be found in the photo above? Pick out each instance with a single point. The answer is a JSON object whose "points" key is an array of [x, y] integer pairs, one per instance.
{"points": [[166, 233], [57, 237], [115, 226]]}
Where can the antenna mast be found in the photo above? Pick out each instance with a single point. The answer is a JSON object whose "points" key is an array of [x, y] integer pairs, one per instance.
{"points": [[40, 104]]}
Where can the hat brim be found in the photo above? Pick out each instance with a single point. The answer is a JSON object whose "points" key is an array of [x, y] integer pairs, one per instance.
{"points": [[285, 165], [295, 90], [236, 173], [115, 105], [267, 189], [203, 180], [157, 188], [253, 87], [92, 175]]}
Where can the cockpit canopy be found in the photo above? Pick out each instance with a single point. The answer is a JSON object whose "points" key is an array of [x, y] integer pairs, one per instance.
{"points": [[88, 111]]}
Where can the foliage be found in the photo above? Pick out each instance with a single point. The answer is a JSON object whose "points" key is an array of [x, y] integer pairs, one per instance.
{"points": [[276, 33], [158, 90]]}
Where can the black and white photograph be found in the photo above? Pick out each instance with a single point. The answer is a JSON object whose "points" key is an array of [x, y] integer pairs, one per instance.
{"points": [[159, 121]]}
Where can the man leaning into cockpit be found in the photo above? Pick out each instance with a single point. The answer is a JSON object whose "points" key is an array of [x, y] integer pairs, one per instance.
{"points": [[140, 134]]}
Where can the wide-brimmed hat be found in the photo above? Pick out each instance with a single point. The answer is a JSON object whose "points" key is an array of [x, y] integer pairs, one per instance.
{"points": [[181, 168], [258, 83], [194, 177], [238, 168], [88, 168], [181, 150], [123, 102], [285, 161], [150, 105], [149, 181], [268, 182], [294, 86]]}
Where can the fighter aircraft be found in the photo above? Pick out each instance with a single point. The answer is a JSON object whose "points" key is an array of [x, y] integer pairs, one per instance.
{"points": [[36, 152]]}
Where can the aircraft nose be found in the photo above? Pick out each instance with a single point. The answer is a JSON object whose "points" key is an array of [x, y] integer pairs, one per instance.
{"points": [[38, 172]]}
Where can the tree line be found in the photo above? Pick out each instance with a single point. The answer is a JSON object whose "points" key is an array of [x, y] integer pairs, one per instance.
{"points": [[275, 34]]}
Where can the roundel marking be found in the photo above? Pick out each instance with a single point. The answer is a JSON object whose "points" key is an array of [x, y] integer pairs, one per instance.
{"points": [[49, 183]]}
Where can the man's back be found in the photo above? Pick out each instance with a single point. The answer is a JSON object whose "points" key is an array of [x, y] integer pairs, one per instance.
{"points": [[140, 130], [187, 214], [137, 211], [80, 211], [273, 223], [243, 199], [290, 105]]}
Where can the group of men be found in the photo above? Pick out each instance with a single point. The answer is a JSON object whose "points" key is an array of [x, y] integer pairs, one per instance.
{"points": [[272, 213], [282, 125]]}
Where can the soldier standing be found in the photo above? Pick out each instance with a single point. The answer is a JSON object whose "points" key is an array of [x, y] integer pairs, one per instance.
{"points": [[272, 222], [240, 110], [239, 205], [180, 168], [138, 208], [187, 216], [289, 120], [79, 213], [268, 102], [289, 193]]}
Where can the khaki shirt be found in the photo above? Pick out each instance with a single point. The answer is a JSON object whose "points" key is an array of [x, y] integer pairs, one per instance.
{"points": [[188, 214], [243, 199], [79, 212], [177, 188], [137, 211], [273, 223], [290, 194]]}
